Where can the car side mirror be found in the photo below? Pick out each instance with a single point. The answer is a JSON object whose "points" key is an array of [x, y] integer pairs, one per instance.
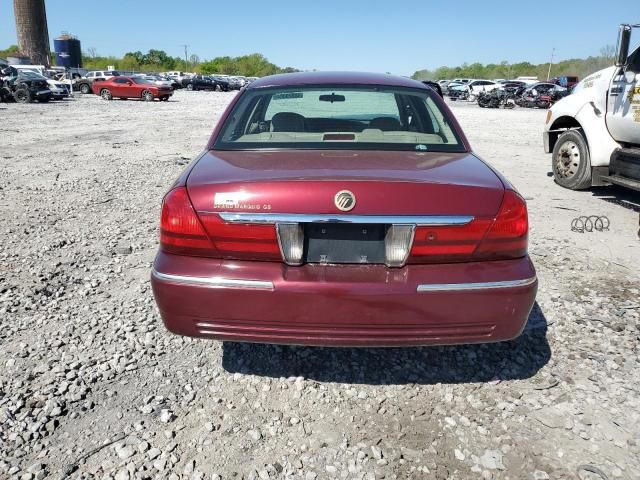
{"points": [[624, 39]]}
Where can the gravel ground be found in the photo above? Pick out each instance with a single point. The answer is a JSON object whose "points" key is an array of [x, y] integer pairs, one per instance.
{"points": [[91, 385]]}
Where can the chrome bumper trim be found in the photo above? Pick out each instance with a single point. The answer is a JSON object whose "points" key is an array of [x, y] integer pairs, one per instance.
{"points": [[214, 282], [418, 220], [444, 287]]}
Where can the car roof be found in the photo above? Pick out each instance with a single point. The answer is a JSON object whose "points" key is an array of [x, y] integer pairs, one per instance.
{"points": [[334, 78]]}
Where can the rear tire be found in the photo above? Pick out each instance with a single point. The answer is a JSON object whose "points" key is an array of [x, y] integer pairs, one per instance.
{"points": [[570, 161], [106, 94], [84, 88]]}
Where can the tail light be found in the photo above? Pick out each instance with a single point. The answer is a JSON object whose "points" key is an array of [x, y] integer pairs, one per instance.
{"points": [[450, 243], [242, 241], [509, 234], [182, 232], [502, 237]]}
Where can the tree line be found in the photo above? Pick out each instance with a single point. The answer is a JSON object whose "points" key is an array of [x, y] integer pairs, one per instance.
{"points": [[252, 65], [580, 67], [257, 65]]}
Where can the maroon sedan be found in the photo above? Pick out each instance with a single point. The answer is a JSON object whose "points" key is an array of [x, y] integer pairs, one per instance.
{"points": [[131, 87], [342, 209]]}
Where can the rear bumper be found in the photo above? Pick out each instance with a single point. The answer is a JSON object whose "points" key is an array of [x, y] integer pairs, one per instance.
{"points": [[345, 305]]}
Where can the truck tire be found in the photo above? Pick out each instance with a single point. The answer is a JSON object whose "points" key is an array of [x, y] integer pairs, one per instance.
{"points": [[85, 88], [570, 161]]}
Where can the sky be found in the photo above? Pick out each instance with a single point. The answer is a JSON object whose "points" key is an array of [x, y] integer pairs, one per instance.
{"points": [[378, 36]]}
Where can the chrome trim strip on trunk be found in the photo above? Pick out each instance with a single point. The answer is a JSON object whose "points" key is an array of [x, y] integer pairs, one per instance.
{"points": [[445, 287], [214, 282], [418, 220]]}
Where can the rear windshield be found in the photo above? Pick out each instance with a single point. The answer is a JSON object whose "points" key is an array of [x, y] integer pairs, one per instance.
{"points": [[338, 117]]}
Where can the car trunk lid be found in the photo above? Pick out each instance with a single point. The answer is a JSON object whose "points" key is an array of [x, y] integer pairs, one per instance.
{"points": [[383, 183]]}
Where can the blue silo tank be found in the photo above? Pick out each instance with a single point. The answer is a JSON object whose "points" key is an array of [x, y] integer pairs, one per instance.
{"points": [[68, 53]]}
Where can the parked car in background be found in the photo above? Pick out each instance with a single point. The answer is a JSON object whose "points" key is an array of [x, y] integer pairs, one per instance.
{"points": [[131, 87], [512, 85], [174, 83], [156, 80], [566, 82], [540, 95], [544, 87], [453, 85], [528, 80], [389, 232], [84, 84], [59, 90], [24, 86], [176, 77], [198, 82], [222, 83], [234, 83], [444, 85], [477, 86]]}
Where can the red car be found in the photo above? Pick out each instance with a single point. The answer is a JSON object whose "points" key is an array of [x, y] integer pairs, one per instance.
{"points": [[342, 209], [130, 87]]}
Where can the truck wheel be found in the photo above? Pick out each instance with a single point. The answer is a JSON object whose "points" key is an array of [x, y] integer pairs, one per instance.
{"points": [[570, 161], [84, 88], [22, 95], [106, 94]]}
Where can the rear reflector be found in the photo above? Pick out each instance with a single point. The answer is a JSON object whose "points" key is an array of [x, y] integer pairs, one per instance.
{"points": [[291, 239]]}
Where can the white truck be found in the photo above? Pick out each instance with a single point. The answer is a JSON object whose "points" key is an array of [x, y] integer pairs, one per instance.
{"points": [[594, 133]]}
